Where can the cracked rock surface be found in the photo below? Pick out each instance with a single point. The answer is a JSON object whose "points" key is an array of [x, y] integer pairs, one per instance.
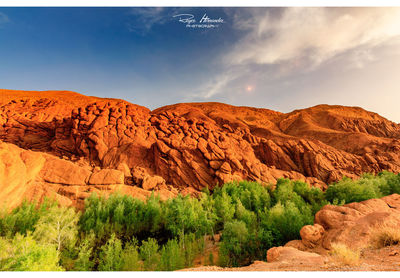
{"points": [[69, 145]]}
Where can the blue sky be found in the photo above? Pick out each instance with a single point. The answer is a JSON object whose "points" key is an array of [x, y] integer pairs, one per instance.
{"points": [[277, 58]]}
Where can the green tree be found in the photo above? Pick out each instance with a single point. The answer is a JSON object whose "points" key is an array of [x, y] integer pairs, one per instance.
{"points": [[23, 253], [233, 245], [111, 258], [187, 215], [149, 254], [252, 195], [389, 183], [191, 247], [57, 225], [246, 216], [172, 257], [84, 262], [23, 218], [131, 257], [224, 208], [124, 216]]}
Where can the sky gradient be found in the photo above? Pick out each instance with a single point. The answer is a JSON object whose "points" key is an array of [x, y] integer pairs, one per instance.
{"points": [[277, 58]]}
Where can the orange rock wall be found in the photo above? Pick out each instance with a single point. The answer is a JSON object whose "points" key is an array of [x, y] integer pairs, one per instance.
{"points": [[184, 147]]}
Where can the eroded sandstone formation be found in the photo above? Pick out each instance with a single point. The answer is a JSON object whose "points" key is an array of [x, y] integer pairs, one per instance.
{"points": [[76, 144]]}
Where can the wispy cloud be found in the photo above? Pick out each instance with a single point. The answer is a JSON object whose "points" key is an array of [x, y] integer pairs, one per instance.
{"points": [[294, 39], [145, 18], [3, 19], [319, 33]]}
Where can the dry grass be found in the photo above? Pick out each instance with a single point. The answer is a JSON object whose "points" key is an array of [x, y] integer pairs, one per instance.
{"points": [[342, 254], [385, 235]]}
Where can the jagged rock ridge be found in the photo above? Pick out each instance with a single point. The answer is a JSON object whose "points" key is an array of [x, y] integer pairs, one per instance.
{"points": [[80, 144]]}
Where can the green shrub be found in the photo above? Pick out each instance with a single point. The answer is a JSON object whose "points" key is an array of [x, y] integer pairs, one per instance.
{"points": [[350, 191], [285, 221], [122, 215], [247, 216], [389, 183]]}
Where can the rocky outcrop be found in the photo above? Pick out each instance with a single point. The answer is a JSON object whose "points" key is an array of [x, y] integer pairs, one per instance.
{"points": [[64, 172], [293, 255], [185, 147], [107, 176], [350, 224], [33, 176]]}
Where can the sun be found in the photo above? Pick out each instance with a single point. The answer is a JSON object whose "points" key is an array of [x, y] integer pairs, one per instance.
{"points": [[249, 88]]}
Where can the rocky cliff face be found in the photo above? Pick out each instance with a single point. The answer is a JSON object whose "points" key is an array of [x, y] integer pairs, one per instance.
{"points": [[69, 145]]}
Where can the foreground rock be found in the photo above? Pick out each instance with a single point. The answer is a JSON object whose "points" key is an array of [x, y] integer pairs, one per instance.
{"points": [[185, 147], [293, 255], [350, 224], [371, 260]]}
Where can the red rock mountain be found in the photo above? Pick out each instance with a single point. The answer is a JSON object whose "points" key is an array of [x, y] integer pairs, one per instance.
{"points": [[67, 145]]}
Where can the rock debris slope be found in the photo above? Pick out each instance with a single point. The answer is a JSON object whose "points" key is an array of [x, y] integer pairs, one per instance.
{"points": [[69, 145]]}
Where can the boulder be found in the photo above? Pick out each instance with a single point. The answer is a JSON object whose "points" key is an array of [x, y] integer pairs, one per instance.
{"points": [[123, 167], [293, 255], [64, 172], [107, 176], [151, 182], [138, 174], [311, 235], [351, 224], [225, 168]]}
